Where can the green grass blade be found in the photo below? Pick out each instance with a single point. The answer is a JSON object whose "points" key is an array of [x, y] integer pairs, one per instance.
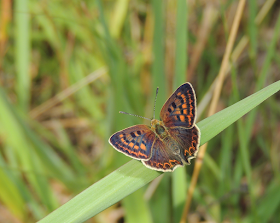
{"points": [[121, 7], [269, 204], [179, 192], [133, 175], [158, 72], [10, 195], [22, 53], [101, 195], [252, 28], [181, 43], [136, 208], [160, 201], [16, 128], [179, 181], [213, 125]]}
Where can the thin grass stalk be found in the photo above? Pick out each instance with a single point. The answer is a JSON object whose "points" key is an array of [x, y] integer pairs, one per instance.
{"points": [[41, 109], [244, 131], [210, 16], [235, 55], [212, 109]]}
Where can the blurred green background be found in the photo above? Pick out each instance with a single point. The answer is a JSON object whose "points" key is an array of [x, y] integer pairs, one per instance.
{"points": [[68, 67]]}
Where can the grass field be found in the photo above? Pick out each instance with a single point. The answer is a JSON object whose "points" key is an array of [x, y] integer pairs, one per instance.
{"points": [[68, 67]]}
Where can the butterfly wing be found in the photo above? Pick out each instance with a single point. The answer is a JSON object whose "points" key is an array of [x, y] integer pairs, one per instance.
{"points": [[167, 154], [187, 141], [135, 141], [180, 108], [164, 157]]}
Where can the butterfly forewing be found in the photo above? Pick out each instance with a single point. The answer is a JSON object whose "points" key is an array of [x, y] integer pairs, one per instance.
{"points": [[180, 108], [135, 141], [164, 157]]}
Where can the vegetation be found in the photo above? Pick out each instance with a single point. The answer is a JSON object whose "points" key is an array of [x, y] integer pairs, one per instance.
{"points": [[69, 67]]}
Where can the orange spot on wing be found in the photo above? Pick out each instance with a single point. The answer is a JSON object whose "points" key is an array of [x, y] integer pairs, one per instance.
{"points": [[182, 118], [191, 150], [131, 152], [123, 141], [143, 147], [166, 164]]}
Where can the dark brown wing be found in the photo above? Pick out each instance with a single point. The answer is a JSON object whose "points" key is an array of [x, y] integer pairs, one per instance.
{"points": [[135, 141], [165, 156], [188, 140], [180, 108]]}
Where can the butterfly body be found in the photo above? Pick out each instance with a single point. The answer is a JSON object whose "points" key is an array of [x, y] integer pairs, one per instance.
{"points": [[169, 142], [158, 128]]}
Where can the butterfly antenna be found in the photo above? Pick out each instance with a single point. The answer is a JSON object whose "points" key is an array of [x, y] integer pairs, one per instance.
{"points": [[134, 115], [155, 103]]}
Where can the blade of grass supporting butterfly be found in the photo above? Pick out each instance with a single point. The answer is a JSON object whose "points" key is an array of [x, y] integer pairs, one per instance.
{"points": [[134, 175], [22, 53], [179, 179]]}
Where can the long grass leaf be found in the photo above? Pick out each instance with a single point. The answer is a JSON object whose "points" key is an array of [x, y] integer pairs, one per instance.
{"points": [[179, 179], [22, 53]]}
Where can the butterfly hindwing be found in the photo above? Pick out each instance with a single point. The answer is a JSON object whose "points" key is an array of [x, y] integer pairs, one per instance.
{"points": [[188, 141], [180, 108], [164, 157], [135, 141]]}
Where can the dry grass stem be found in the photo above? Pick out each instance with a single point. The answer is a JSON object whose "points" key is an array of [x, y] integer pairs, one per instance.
{"points": [[36, 112], [214, 103]]}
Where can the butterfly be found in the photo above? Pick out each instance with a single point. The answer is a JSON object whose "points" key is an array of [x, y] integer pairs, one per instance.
{"points": [[169, 142]]}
